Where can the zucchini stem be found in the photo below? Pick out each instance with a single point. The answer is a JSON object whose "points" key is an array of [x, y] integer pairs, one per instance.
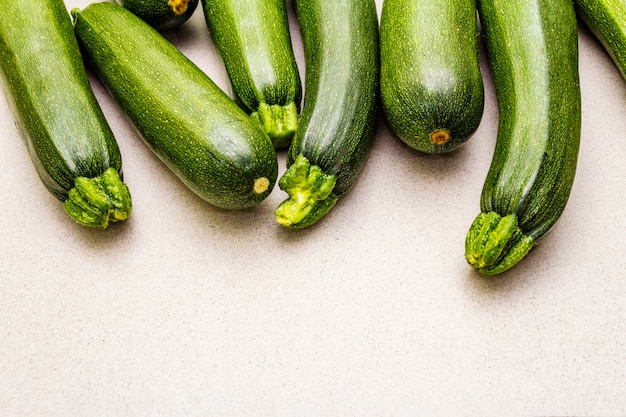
{"points": [[494, 243], [96, 202], [440, 137], [310, 194], [178, 7], [279, 122], [261, 185]]}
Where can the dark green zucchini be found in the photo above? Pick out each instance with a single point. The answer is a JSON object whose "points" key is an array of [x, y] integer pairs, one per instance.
{"points": [[253, 39], [607, 21], [66, 133], [186, 119], [431, 84], [336, 128], [161, 14], [533, 50]]}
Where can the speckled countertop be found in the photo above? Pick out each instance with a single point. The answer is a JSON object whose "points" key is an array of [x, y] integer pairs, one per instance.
{"points": [[188, 310]]}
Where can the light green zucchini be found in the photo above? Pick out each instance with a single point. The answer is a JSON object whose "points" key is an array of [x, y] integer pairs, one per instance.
{"points": [[68, 138], [533, 51], [607, 21], [253, 39], [338, 119], [210, 143]]}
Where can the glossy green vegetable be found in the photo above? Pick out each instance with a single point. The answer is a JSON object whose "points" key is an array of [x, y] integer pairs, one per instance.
{"points": [[67, 136], [161, 14], [431, 84], [336, 128], [533, 50], [253, 39], [607, 21], [193, 126]]}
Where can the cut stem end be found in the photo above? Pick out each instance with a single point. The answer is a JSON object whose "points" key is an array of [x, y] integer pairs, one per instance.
{"points": [[440, 137], [178, 7], [279, 122], [310, 194], [96, 202], [261, 185], [494, 243]]}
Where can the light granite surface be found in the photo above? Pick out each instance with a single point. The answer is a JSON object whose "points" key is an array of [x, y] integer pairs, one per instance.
{"points": [[188, 310]]}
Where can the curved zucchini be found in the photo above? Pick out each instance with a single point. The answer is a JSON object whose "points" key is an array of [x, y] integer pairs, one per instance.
{"points": [[607, 21], [431, 84], [253, 39], [67, 136], [336, 128], [535, 69], [192, 125], [161, 14]]}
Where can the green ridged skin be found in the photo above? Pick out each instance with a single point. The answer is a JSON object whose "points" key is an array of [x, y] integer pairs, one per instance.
{"points": [[533, 50], [163, 15], [253, 39], [66, 133], [431, 84], [337, 123], [607, 21], [187, 120]]}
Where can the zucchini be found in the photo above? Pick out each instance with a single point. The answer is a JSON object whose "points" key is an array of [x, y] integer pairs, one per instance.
{"points": [[607, 21], [535, 68], [162, 15], [67, 136], [336, 128], [183, 116], [431, 84], [253, 39]]}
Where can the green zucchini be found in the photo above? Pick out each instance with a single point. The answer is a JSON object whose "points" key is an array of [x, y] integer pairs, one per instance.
{"points": [[607, 21], [336, 128], [533, 51], [183, 116], [162, 15], [253, 39], [431, 84], [68, 138]]}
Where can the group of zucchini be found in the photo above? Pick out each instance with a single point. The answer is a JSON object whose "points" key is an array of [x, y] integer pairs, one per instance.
{"points": [[421, 64]]}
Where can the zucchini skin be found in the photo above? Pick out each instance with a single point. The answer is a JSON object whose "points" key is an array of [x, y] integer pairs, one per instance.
{"points": [[68, 138], [182, 115], [607, 21], [536, 77], [431, 83], [163, 15], [253, 39], [338, 119]]}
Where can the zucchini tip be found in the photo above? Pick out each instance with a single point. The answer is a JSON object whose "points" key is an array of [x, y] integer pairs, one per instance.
{"points": [[495, 243]]}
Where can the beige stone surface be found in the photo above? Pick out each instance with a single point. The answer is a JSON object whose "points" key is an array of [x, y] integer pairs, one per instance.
{"points": [[188, 310]]}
